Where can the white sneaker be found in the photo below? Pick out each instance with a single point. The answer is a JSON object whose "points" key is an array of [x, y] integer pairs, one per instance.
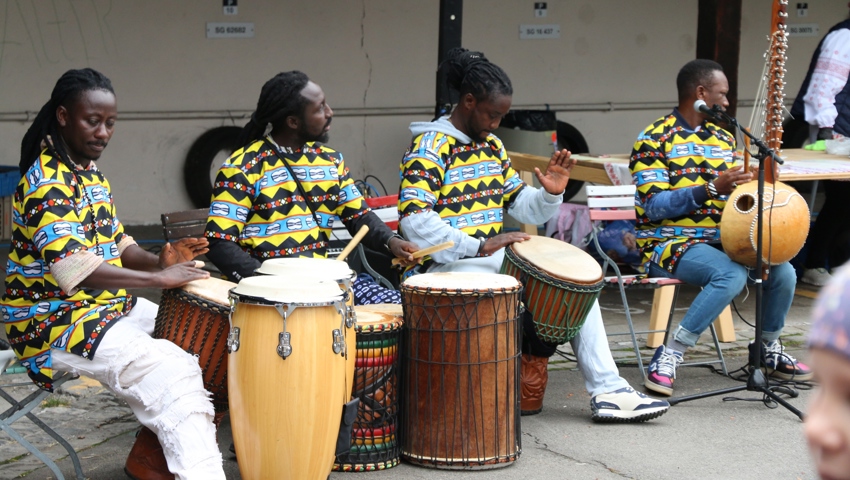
{"points": [[626, 405], [816, 276]]}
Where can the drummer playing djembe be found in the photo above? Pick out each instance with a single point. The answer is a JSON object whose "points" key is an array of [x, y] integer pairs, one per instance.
{"points": [[679, 164], [439, 181]]}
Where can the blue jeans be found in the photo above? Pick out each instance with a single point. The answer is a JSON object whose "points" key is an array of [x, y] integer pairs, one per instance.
{"points": [[722, 280]]}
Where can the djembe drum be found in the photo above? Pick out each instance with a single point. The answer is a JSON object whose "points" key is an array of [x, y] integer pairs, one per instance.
{"points": [[286, 376], [195, 317], [460, 406], [375, 441], [561, 282]]}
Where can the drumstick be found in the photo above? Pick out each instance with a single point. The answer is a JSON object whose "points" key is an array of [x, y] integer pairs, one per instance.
{"points": [[354, 241], [427, 251]]}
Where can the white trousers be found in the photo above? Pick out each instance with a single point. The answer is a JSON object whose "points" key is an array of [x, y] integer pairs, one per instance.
{"points": [[162, 384]]}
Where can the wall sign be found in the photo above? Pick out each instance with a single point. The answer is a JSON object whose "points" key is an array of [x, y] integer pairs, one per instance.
{"points": [[230, 7], [230, 30], [533, 32], [804, 30]]}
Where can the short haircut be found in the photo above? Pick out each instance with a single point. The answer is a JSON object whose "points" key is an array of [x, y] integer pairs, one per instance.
{"points": [[695, 73]]}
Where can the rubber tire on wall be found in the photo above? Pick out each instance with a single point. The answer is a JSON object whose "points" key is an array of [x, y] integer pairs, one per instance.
{"points": [[570, 138], [196, 169]]}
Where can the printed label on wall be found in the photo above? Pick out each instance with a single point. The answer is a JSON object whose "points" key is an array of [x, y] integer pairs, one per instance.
{"points": [[530, 32], [230, 30]]}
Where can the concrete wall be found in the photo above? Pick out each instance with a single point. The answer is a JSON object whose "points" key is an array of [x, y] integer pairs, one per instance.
{"points": [[375, 60]]}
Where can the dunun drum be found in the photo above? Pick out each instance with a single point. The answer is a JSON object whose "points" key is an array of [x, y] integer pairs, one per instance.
{"points": [[325, 270], [785, 224], [460, 405], [286, 376], [196, 319], [561, 283], [375, 441]]}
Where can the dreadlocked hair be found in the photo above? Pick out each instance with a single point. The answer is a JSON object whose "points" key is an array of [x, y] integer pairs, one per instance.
{"points": [[69, 88], [471, 72], [280, 98]]}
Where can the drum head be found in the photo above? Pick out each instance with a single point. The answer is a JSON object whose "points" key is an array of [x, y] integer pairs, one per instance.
{"points": [[559, 259], [307, 268], [462, 281], [213, 290], [275, 289], [382, 314]]}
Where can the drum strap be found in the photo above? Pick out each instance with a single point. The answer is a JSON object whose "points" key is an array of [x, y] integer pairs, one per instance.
{"points": [[297, 182]]}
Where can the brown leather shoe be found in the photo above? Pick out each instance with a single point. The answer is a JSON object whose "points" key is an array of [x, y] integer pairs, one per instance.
{"points": [[146, 460], [533, 378]]}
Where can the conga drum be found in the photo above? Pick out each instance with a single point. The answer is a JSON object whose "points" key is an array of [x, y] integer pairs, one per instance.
{"points": [[375, 441], [286, 376], [196, 318], [321, 269], [560, 283], [460, 406]]}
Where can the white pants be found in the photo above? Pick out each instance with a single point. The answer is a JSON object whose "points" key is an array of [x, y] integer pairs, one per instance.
{"points": [[162, 384], [590, 344]]}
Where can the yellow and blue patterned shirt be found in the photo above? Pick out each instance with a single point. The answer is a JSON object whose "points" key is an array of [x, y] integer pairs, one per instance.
{"points": [[468, 185], [670, 155], [52, 221], [256, 203]]}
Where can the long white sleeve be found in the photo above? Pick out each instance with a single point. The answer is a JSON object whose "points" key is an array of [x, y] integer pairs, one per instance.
{"points": [[534, 205], [828, 79], [426, 229]]}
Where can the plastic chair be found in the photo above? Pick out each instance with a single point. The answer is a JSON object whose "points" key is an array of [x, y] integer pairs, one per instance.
{"points": [[608, 203], [23, 408]]}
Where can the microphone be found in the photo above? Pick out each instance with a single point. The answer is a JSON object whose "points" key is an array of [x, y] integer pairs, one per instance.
{"points": [[702, 107]]}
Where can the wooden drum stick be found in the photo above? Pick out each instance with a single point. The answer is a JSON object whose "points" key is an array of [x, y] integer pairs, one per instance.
{"points": [[427, 251], [354, 241]]}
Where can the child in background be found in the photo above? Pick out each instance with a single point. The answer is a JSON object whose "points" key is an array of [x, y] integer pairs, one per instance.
{"points": [[827, 423]]}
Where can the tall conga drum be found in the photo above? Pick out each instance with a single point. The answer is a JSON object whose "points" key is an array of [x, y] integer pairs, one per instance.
{"points": [[286, 377], [561, 282], [460, 406], [375, 440], [321, 269], [196, 317]]}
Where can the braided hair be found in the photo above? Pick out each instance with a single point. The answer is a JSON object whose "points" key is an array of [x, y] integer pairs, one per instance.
{"points": [[695, 73], [280, 98], [471, 72], [69, 88]]}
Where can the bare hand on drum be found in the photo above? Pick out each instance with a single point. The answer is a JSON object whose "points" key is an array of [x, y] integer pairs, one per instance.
{"points": [[180, 274], [557, 172], [502, 240], [403, 250], [728, 180], [182, 251]]}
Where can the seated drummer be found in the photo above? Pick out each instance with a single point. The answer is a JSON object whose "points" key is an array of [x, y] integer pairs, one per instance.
{"points": [[679, 164], [435, 188], [279, 195], [65, 306]]}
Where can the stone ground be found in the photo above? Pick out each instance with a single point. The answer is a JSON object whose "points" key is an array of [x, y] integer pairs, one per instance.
{"points": [[707, 438]]}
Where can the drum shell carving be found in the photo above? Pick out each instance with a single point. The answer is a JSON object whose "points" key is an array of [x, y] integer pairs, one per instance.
{"points": [[785, 224], [460, 406], [199, 326]]}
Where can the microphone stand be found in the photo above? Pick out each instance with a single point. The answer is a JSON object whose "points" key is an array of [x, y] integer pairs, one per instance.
{"points": [[757, 381]]}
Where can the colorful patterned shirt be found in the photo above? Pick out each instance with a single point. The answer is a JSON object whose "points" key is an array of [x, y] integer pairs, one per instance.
{"points": [[53, 221], [670, 155], [257, 204], [467, 185]]}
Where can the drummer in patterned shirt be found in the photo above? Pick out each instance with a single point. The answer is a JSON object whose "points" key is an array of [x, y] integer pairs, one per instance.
{"points": [[65, 307], [280, 194], [441, 188]]}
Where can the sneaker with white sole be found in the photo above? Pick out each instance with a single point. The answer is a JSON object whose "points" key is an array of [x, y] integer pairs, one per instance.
{"points": [[776, 363], [626, 405], [662, 370], [816, 276]]}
